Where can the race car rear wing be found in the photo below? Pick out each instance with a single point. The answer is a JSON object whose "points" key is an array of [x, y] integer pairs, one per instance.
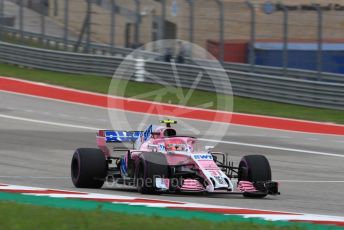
{"points": [[119, 136], [118, 139]]}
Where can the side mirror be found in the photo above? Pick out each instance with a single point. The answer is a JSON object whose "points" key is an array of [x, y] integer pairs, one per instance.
{"points": [[208, 147]]}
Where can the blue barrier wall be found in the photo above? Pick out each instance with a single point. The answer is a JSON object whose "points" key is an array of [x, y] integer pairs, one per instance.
{"points": [[301, 56]]}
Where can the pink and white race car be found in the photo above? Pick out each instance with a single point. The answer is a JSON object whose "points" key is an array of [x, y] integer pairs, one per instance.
{"points": [[158, 160]]}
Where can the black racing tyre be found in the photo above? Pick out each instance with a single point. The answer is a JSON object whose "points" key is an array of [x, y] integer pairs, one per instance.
{"points": [[150, 166], [88, 168], [254, 168]]}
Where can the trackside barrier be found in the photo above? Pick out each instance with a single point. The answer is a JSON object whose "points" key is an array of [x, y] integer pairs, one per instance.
{"points": [[105, 49], [271, 87]]}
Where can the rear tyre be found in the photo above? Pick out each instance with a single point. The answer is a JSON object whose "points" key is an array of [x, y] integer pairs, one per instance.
{"points": [[88, 168], [254, 168], [151, 165]]}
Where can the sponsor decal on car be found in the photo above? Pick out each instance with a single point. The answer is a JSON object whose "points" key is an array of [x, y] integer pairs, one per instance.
{"points": [[203, 157], [121, 136]]}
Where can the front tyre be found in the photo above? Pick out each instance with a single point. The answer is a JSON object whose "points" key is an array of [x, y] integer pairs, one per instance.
{"points": [[88, 168], [254, 168]]}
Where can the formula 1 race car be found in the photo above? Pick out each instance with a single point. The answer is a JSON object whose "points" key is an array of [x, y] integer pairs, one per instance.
{"points": [[158, 160]]}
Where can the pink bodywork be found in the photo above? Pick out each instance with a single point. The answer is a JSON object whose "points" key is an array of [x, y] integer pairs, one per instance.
{"points": [[246, 186], [101, 143], [192, 185], [158, 139], [175, 157], [162, 144]]}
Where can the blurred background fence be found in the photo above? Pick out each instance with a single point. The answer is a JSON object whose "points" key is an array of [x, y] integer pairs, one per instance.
{"points": [[293, 34], [307, 92]]}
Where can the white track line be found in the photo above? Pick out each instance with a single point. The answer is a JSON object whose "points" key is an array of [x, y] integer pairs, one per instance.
{"points": [[159, 103], [194, 119], [202, 139], [274, 147], [48, 122]]}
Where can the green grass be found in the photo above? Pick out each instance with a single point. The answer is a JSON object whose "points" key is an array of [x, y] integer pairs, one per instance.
{"points": [[20, 211], [240, 104], [25, 216]]}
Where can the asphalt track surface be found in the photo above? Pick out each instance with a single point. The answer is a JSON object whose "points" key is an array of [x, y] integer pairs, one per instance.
{"points": [[38, 137]]}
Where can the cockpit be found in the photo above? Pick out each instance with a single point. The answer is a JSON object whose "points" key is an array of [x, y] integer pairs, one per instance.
{"points": [[176, 144], [176, 147]]}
